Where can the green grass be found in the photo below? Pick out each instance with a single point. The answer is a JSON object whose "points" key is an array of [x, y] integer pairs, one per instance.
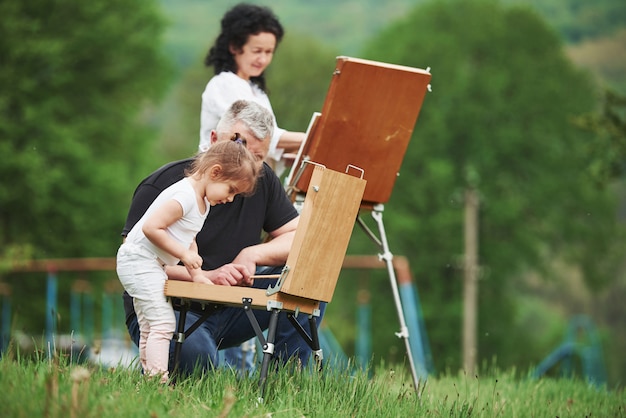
{"points": [[56, 388]]}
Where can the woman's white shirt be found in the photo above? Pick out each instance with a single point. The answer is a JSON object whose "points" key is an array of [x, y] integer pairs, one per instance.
{"points": [[220, 92]]}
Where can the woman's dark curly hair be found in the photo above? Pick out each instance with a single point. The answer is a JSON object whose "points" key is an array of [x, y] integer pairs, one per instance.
{"points": [[238, 24]]}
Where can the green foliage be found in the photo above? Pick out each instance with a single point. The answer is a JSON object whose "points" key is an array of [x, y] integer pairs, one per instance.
{"points": [[77, 79], [324, 20], [608, 150], [180, 116], [298, 80], [14, 255], [192, 21], [504, 96], [577, 20]]}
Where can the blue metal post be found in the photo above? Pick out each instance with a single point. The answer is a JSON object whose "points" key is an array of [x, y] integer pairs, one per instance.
{"points": [[428, 355], [75, 299], [107, 315], [5, 331], [417, 334], [120, 318], [329, 344], [88, 321], [51, 311], [363, 347]]}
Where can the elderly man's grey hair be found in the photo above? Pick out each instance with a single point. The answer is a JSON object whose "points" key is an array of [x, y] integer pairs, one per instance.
{"points": [[256, 117]]}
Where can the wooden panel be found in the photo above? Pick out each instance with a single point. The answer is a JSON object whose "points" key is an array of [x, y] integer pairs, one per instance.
{"points": [[233, 295], [326, 222], [367, 120]]}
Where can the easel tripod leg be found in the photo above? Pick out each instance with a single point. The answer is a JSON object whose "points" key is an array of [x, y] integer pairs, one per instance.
{"points": [[388, 258], [315, 346], [180, 335], [268, 350], [312, 340]]}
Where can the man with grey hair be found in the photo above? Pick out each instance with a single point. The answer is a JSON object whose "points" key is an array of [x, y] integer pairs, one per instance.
{"points": [[231, 245]]}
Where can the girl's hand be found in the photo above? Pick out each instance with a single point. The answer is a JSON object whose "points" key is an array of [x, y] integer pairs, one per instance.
{"points": [[191, 260]]}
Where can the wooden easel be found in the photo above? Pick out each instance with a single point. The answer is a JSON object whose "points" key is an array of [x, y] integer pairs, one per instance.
{"points": [[367, 120], [309, 276]]}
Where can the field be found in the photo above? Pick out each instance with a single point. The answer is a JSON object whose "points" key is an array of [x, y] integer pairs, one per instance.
{"points": [[39, 387]]}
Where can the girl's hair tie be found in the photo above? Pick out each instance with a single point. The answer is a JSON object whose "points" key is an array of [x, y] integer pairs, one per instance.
{"points": [[238, 139]]}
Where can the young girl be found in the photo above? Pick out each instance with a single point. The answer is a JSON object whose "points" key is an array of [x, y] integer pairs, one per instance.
{"points": [[166, 234]]}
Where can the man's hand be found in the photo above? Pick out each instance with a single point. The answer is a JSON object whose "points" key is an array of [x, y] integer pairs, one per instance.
{"points": [[247, 258], [229, 275]]}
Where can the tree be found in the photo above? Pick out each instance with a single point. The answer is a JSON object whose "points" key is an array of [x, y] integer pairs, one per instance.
{"points": [[299, 78], [77, 82], [577, 20], [608, 150], [504, 96]]}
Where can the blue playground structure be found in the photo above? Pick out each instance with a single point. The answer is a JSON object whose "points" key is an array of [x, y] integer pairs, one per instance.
{"points": [[414, 318], [5, 315], [113, 348], [581, 343], [109, 347]]}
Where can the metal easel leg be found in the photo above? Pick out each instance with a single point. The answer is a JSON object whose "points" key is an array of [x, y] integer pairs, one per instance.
{"points": [[387, 257], [180, 335], [312, 340], [268, 350], [317, 350]]}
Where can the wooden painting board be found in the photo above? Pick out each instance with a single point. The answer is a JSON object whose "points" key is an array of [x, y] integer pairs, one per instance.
{"points": [[367, 121]]}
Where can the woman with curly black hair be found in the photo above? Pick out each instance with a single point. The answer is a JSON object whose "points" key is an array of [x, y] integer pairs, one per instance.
{"points": [[242, 51]]}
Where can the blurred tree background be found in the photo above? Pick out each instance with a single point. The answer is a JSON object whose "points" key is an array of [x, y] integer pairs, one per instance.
{"points": [[527, 106], [76, 81], [499, 119], [80, 84]]}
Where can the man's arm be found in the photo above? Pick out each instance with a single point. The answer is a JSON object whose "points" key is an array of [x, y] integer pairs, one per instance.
{"points": [[271, 253]]}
